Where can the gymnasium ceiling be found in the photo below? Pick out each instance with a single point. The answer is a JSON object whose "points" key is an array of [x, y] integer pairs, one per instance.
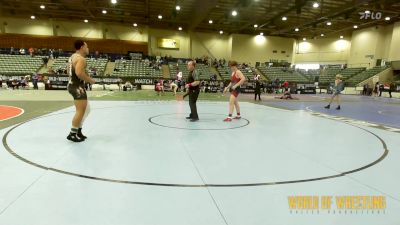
{"points": [[195, 14]]}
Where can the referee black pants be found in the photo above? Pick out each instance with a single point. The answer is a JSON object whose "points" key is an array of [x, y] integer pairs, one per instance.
{"points": [[193, 95]]}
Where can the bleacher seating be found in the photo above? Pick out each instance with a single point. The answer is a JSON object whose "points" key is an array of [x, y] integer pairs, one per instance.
{"points": [[60, 62], [282, 73], [225, 72], [309, 74], [203, 70], [328, 76], [182, 67], [100, 64], [349, 72], [135, 68], [353, 81], [19, 64], [248, 73]]}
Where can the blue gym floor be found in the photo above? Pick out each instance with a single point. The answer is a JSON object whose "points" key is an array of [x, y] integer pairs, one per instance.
{"points": [[143, 163], [378, 110]]}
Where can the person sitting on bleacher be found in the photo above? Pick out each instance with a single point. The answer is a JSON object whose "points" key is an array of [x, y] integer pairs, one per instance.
{"points": [[23, 82], [14, 84], [128, 85]]}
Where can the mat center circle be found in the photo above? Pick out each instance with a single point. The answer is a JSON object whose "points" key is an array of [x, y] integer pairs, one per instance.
{"points": [[207, 121]]}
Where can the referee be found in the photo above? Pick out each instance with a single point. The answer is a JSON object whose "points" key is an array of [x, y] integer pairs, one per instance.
{"points": [[193, 83]]}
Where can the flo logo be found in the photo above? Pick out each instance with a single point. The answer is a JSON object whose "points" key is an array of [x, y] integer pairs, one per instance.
{"points": [[370, 15]]}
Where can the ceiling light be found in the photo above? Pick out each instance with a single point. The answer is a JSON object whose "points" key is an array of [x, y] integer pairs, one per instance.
{"points": [[178, 8], [284, 18], [341, 36], [114, 1], [104, 11], [297, 29], [234, 13], [322, 35], [86, 21], [387, 18], [355, 26], [329, 23], [221, 32], [42, 6], [160, 17], [180, 28], [135, 24], [33, 17], [210, 21], [315, 5], [255, 25], [304, 39], [261, 34]]}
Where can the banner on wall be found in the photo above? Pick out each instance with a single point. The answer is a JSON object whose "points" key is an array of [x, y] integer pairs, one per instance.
{"points": [[168, 43]]}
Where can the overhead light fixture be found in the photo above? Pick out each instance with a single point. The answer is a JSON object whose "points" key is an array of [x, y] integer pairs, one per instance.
{"points": [[304, 39], [284, 18], [255, 25], [297, 29], [315, 5], [329, 23], [341, 36], [234, 13], [210, 21], [367, 12], [33, 17], [86, 21], [322, 35], [114, 1], [261, 34], [42, 6], [104, 11], [178, 8], [355, 26], [221, 32], [387, 18], [180, 28], [160, 17], [135, 24]]}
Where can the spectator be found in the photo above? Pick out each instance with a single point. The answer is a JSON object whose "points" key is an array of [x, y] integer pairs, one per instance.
{"points": [[127, 85], [381, 89], [45, 60], [392, 87], [376, 89], [22, 51], [286, 85], [257, 91], [23, 82], [365, 89], [35, 79], [173, 86], [31, 51], [14, 84], [158, 88]]}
